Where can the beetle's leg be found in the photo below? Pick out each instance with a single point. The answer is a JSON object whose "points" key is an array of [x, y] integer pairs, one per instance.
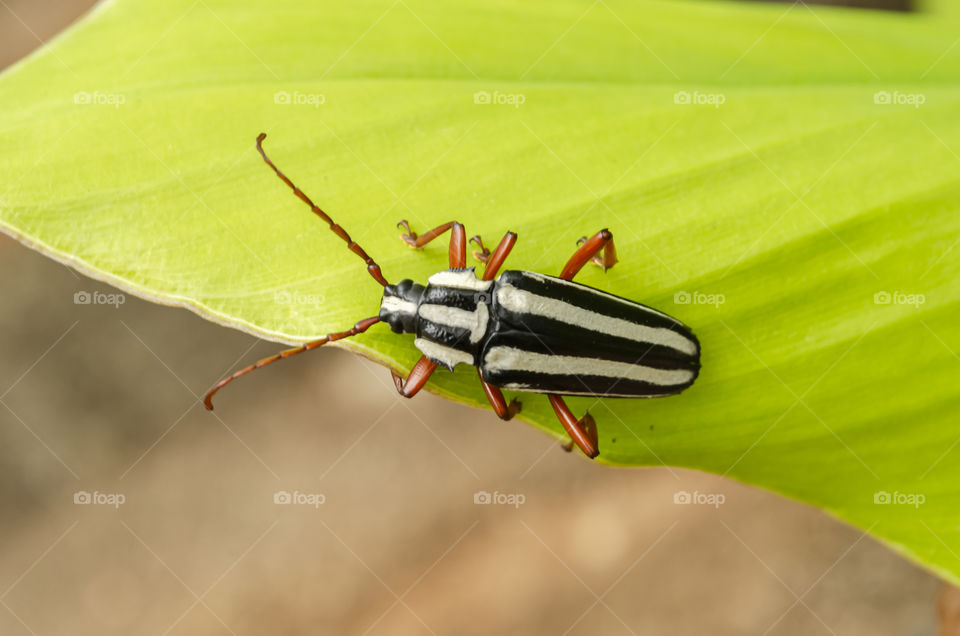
{"points": [[458, 241], [499, 255], [503, 410], [600, 260], [419, 375], [589, 426], [588, 250], [483, 254], [582, 432]]}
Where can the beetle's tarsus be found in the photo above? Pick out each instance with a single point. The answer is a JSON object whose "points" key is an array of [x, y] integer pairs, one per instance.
{"points": [[513, 408], [589, 426], [582, 432], [415, 380], [597, 258], [399, 381], [410, 237], [483, 254]]}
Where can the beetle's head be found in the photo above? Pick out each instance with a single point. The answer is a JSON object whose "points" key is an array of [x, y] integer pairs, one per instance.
{"points": [[399, 306]]}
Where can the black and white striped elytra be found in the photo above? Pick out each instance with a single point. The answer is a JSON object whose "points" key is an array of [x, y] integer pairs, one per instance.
{"points": [[531, 332]]}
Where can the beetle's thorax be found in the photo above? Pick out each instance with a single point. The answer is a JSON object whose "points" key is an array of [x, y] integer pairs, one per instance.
{"points": [[399, 306], [450, 316]]}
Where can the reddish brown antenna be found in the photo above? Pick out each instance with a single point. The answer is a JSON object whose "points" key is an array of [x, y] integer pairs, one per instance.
{"points": [[360, 327], [352, 245]]}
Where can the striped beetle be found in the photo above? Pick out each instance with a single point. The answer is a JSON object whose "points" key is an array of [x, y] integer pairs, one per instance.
{"points": [[523, 331]]}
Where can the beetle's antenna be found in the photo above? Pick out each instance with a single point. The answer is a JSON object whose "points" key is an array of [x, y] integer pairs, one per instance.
{"points": [[372, 266], [360, 327]]}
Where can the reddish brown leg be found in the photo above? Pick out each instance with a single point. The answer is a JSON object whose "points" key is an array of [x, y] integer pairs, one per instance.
{"points": [[458, 241], [498, 402], [582, 432], [495, 260], [493, 263], [419, 375], [588, 250]]}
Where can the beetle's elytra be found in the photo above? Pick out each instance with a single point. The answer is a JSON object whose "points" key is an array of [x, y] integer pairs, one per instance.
{"points": [[523, 331]]}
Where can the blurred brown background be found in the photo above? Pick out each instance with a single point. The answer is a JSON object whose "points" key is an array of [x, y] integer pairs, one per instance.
{"points": [[105, 400]]}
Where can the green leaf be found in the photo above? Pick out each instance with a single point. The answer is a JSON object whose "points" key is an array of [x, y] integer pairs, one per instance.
{"points": [[788, 214], [940, 8]]}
